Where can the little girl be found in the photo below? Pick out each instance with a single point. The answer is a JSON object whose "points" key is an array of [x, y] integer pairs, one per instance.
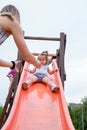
{"points": [[40, 74]]}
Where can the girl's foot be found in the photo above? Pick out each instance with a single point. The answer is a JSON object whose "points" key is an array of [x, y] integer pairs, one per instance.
{"points": [[25, 86], [55, 88]]}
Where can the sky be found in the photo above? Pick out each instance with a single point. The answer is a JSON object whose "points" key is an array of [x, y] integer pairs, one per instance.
{"points": [[48, 18]]}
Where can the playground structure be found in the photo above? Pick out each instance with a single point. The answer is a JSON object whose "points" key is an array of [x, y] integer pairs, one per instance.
{"points": [[15, 107]]}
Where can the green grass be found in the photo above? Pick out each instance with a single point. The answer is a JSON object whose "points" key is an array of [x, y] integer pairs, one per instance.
{"points": [[1, 109]]}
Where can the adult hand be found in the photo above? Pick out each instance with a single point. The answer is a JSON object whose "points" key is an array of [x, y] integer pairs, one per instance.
{"points": [[38, 64]]}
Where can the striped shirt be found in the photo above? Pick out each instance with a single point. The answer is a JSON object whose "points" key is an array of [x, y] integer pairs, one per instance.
{"points": [[3, 35]]}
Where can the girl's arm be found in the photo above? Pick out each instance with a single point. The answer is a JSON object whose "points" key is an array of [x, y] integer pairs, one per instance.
{"points": [[33, 70], [51, 71], [29, 69]]}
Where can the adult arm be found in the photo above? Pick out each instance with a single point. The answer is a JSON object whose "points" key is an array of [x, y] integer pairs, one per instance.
{"points": [[20, 42], [14, 28], [4, 63]]}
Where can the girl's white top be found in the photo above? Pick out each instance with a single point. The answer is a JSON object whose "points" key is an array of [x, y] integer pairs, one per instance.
{"points": [[42, 69]]}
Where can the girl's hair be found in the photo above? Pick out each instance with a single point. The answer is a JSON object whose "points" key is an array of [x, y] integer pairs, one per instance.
{"points": [[10, 11], [45, 54]]}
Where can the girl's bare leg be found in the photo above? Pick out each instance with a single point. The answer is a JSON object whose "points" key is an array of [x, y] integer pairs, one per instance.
{"points": [[54, 88], [28, 82]]}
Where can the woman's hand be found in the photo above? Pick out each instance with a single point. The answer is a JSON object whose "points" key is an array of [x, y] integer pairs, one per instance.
{"points": [[38, 64]]}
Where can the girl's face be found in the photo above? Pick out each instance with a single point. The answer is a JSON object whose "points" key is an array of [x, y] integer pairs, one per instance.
{"points": [[42, 59]]}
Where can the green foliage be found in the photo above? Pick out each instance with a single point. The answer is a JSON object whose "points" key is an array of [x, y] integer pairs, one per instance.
{"points": [[85, 114], [1, 109], [76, 115]]}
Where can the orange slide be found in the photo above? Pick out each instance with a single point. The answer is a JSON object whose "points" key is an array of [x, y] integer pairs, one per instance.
{"points": [[39, 108]]}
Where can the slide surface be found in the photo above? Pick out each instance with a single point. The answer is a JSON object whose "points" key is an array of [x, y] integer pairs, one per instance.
{"points": [[38, 108]]}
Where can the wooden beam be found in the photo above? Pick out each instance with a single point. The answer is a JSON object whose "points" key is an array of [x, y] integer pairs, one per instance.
{"points": [[41, 38], [36, 54]]}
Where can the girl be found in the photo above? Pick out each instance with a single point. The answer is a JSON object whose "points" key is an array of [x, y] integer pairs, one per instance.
{"points": [[40, 74]]}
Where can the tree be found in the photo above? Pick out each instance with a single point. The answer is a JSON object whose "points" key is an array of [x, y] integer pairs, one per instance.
{"points": [[76, 115]]}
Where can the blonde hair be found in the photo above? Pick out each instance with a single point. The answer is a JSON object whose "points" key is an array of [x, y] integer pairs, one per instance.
{"points": [[10, 11]]}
